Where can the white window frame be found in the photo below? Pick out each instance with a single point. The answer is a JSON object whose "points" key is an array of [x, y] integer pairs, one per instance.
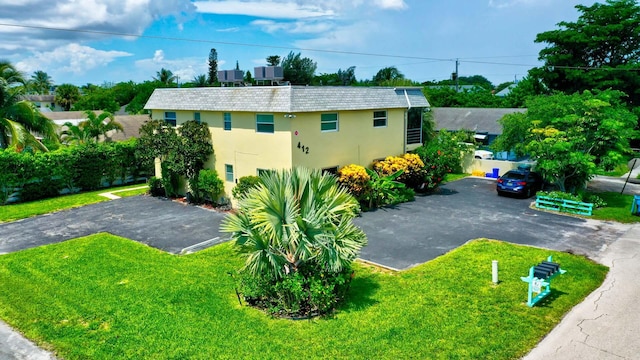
{"points": [[325, 122], [377, 117], [226, 119], [173, 121], [272, 123], [228, 173]]}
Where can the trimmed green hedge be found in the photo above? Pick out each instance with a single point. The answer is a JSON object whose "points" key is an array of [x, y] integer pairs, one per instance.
{"points": [[26, 176]]}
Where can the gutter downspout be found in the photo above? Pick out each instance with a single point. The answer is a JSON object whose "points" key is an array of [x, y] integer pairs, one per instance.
{"points": [[406, 120]]}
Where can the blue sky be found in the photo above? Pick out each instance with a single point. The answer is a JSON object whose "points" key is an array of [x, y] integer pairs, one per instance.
{"points": [[422, 38]]}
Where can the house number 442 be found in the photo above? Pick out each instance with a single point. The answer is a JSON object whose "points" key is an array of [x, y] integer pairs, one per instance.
{"points": [[304, 149]]}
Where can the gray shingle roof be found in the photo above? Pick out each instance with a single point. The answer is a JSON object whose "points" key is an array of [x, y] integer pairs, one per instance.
{"points": [[478, 119], [285, 98]]}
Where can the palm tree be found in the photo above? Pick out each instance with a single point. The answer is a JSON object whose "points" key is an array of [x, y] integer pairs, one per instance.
{"points": [[165, 76], [295, 217], [200, 80], [19, 118], [92, 129], [67, 95], [40, 82]]}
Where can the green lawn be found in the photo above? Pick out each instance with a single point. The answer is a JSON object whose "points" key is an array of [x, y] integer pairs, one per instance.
{"points": [[454, 177], [618, 208], [105, 297], [125, 193], [24, 210]]}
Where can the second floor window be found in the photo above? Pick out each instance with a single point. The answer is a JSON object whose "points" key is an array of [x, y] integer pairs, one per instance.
{"points": [[227, 121], [264, 123], [329, 122], [170, 118]]}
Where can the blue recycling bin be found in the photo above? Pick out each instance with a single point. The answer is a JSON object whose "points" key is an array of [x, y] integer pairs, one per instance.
{"points": [[496, 171], [635, 205]]}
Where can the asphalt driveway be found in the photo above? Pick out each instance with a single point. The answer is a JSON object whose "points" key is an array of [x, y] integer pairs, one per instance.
{"points": [[416, 232], [157, 222]]}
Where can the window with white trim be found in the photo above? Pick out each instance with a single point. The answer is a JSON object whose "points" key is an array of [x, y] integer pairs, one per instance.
{"points": [[329, 122], [170, 118], [380, 118], [228, 172], [227, 121], [264, 123]]}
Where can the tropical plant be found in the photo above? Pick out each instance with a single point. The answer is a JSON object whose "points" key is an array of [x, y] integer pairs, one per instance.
{"points": [[40, 82], [412, 167], [67, 95], [387, 190], [297, 222], [19, 118], [210, 185], [90, 130], [298, 70], [213, 67]]}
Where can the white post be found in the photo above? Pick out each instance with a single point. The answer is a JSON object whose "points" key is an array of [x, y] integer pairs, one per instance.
{"points": [[494, 271]]}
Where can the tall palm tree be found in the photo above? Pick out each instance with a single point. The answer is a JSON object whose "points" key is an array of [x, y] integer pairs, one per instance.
{"points": [[40, 82], [165, 76], [293, 217], [19, 118]]}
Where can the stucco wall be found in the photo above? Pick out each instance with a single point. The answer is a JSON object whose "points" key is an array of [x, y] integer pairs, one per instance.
{"points": [[470, 164], [355, 142]]}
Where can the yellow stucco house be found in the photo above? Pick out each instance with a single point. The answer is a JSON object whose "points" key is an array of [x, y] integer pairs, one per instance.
{"points": [[260, 128]]}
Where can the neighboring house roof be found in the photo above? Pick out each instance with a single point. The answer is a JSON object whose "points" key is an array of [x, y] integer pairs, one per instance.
{"points": [[285, 98], [461, 88], [39, 98], [506, 91], [61, 117], [480, 120], [131, 125]]}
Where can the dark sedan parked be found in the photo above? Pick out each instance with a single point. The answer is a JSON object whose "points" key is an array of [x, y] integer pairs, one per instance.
{"points": [[521, 182]]}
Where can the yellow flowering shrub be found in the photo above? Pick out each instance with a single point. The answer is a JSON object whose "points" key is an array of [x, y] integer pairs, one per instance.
{"points": [[355, 179], [411, 165], [477, 173]]}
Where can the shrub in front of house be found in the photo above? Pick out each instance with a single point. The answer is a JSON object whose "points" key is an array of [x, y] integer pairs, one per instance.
{"points": [[245, 184], [356, 180], [210, 185], [412, 167]]}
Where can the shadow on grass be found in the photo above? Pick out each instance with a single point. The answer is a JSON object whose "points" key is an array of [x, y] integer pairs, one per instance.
{"points": [[548, 300], [360, 295]]}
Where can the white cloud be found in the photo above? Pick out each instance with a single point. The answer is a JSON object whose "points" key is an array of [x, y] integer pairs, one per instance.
{"points": [[72, 58], [391, 4], [266, 9], [296, 27], [231, 29]]}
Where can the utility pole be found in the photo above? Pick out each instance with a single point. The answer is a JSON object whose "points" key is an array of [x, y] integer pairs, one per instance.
{"points": [[457, 84]]}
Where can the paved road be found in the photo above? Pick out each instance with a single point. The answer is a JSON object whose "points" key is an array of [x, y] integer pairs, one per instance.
{"points": [[160, 223], [416, 232]]}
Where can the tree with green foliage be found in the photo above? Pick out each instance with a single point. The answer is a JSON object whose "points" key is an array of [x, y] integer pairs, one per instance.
{"points": [[571, 136], [19, 118], [67, 95], [248, 79], [200, 80], [165, 76], [143, 93], [273, 60], [296, 229], [387, 74], [298, 70], [40, 82], [191, 153], [601, 50], [91, 129], [213, 67], [526, 88]]}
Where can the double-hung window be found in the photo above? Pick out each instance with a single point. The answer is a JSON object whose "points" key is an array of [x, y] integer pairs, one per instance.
{"points": [[329, 122], [170, 118], [227, 121], [380, 118], [264, 123], [228, 172]]}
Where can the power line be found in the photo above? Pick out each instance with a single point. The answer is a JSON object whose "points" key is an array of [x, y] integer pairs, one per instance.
{"points": [[96, 32]]}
